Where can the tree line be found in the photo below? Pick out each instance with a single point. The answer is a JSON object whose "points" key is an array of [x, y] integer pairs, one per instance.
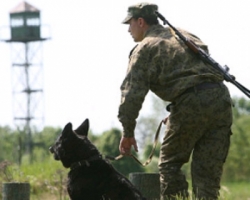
{"points": [[12, 142]]}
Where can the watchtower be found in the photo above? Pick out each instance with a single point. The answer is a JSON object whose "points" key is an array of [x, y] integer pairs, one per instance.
{"points": [[25, 23], [27, 70]]}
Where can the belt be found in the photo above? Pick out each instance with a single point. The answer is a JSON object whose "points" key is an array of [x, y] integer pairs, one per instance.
{"points": [[199, 87], [203, 86]]}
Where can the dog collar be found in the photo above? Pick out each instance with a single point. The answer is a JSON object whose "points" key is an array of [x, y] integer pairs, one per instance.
{"points": [[85, 162]]}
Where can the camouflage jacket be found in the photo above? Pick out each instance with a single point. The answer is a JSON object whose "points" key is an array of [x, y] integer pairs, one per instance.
{"points": [[162, 63]]}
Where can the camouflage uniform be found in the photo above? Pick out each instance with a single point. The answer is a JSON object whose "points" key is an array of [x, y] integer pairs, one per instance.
{"points": [[200, 119]]}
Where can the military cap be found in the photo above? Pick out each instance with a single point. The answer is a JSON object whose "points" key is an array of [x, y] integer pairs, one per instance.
{"points": [[141, 10]]}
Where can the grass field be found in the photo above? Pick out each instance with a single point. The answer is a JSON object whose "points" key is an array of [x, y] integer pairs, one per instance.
{"points": [[48, 181], [229, 191], [235, 191]]}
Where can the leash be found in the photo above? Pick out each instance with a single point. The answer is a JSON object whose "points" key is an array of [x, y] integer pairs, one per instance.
{"points": [[151, 153]]}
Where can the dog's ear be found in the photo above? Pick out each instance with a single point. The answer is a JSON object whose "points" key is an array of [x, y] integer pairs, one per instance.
{"points": [[83, 128], [67, 129]]}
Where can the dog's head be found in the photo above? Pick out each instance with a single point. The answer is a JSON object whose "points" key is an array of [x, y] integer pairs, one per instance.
{"points": [[72, 146]]}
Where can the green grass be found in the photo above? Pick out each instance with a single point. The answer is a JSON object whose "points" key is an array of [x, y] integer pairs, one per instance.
{"points": [[232, 191], [47, 178], [235, 191], [48, 181]]}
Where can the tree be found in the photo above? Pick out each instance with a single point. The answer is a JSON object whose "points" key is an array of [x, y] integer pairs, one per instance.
{"points": [[43, 140], [152, 167], [148, 123], [9, 144], [236, 166]]}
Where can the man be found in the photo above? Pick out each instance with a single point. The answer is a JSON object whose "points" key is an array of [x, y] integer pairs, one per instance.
{"points": [[201, 114]]}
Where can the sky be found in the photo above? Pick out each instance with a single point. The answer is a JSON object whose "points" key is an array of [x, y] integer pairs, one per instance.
{"points": [[85, 60]]}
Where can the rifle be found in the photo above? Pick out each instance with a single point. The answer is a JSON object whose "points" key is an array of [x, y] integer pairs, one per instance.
{"points": [[206, 58]]}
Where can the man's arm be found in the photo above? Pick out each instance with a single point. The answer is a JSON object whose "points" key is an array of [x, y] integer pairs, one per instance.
{"points": [[134, 89]]}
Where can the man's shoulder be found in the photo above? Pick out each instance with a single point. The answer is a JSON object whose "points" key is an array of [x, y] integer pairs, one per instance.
{"points": [[194, 38], [132, 50], [156, 30]]}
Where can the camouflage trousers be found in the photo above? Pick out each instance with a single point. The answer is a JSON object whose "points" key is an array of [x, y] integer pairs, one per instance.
{"points": [[199, 126]]}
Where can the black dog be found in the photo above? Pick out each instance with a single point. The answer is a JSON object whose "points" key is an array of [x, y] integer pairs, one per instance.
{"points": [[90, 177]]}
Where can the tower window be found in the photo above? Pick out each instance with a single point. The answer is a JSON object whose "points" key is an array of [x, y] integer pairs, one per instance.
{"points": [[33, 22], [15, 22]]}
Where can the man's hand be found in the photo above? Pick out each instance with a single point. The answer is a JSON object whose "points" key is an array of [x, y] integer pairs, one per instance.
{"points": [[126, 144]]}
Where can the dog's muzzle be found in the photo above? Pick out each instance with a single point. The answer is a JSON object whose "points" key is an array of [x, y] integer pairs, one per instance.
{"points": [[51, 149]]}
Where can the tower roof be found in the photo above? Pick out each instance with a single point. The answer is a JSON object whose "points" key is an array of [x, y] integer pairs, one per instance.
{"points": [[24, 7]]}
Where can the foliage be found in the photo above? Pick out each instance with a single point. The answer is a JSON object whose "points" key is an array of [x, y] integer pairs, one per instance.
{"points": [[153, 166], [236, 167], [147, 124], [42, 141], [234, 191], [48, 176], [241, 107], [48, 181], [8, 144]]}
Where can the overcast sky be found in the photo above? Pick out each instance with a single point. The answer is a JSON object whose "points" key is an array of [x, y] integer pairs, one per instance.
{"points": [[85, 61]]}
